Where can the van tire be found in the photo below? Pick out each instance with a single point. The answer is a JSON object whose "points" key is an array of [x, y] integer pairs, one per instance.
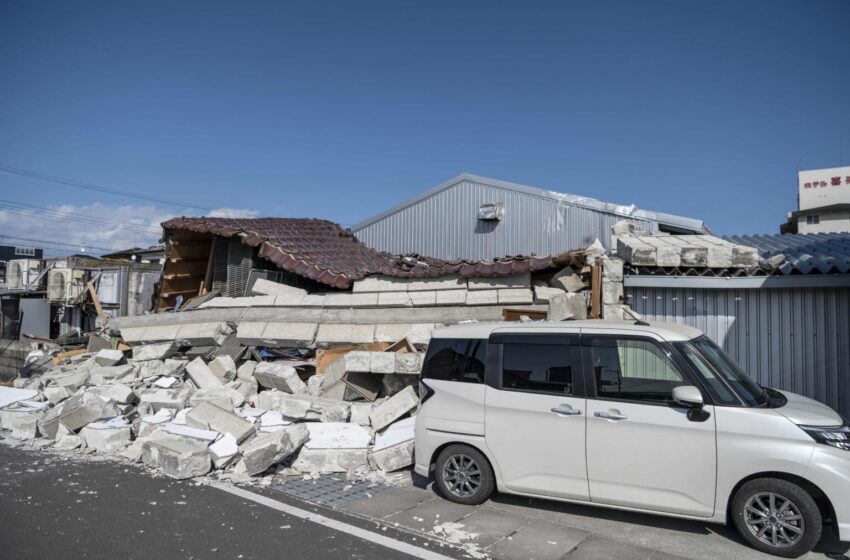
{"points": [[803, 506], [463, 475]]}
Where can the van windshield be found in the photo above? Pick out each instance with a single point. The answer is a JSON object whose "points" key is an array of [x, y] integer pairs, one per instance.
{"points": [[748, 390]]}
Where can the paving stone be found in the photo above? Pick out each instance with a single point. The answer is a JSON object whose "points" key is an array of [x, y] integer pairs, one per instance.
{"points": [[538, 540], [389, 503], [432, 512], [599, 548], [211, 417], [491, 526]]}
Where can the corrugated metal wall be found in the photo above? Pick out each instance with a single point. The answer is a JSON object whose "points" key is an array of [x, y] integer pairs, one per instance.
{"points": [[446, 225], [792, 339]]}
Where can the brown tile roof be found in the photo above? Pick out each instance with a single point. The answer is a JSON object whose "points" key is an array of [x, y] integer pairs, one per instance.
{"points": [[325, 252]]}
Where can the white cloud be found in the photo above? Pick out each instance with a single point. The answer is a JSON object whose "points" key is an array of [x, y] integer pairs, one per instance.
{"points": [[95, 228], [225, 212]]}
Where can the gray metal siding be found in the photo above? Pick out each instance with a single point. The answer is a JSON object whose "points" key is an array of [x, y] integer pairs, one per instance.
{"points": [[446, 225], [792, 339]]}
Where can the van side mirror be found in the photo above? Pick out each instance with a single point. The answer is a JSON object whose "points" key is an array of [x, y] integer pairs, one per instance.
{"points": [[688, 396]]}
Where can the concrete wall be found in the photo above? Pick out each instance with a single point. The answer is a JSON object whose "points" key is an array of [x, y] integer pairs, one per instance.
{"points": [[793, 339]]}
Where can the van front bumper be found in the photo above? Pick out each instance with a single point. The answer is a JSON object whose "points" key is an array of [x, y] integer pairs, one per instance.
{"points": [[422, 470], [829, 470]]}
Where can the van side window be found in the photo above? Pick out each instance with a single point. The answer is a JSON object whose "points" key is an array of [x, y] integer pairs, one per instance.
{"points": [[545, 368], [455, 359], [633, 369]]}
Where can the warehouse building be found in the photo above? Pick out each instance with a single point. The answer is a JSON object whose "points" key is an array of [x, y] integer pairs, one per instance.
{"points": [[474, 218]]}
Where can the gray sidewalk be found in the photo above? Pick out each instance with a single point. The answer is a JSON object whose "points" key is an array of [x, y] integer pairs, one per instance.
{"points": [[508, 527]]}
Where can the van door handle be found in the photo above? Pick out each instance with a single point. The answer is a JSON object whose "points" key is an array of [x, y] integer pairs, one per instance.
{"points": [[566, 410], [610, 415]]}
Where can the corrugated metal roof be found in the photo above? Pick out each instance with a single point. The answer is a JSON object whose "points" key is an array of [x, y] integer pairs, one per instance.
{"points": [[325, 252], [807, 253], [625, 211]]}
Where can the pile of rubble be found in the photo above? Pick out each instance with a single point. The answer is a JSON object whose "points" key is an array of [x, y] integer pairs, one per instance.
{"points": [[188, 415]]}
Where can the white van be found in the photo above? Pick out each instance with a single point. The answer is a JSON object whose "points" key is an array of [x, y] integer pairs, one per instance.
{"points": [[648, 417]]}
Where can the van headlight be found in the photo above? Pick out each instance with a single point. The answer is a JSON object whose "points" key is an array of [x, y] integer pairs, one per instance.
{"points": [[835, 436]]}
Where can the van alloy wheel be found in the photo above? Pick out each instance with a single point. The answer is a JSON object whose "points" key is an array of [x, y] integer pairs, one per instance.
{"points": [[774, 519], [461, 475]]}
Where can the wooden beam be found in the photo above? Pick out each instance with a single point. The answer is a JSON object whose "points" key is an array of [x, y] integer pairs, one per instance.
{"points": [[94, 298], [596, 290]]}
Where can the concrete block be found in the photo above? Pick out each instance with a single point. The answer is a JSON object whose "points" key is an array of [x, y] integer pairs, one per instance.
{"points": [[248, 389], [225, 397], [211, 417], [567, 306], [108, 357], [341, 299], [451, 297], [22, 425], [255, 301], [158, 399], [105, 375], [154, 368], [75, 379], [364, 300], [362, 334], [612, 292], [289, 300], [202, 376], [634, 251], [74, 413], [334, 333], [393, 408], [223, 367], [568, 280], [304, 407], [543, 293], [443, 283], [133, 335], [482, 297], [250, 333], [500, 283], [612, 269], [177, 457], [204, 334], [380, 284], [515, 296], [265, 287], [289, 335], [616, 312], [57, 394], [116, 393], [107, 439], [313, 300], [330, 460], [158, 351], [407, 362], [394, 299], [423, 299], [393, 458], [358, 361], [158, 333], [68, 442], [391, 333], [360, 413], [223, 451], [666, 254], [245, 372], [314, 385], [382, 362], [270, 448], [278, 375], [337, 435]]}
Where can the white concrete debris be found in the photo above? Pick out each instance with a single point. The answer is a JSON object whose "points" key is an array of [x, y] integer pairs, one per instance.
{"points": [[188, 432], [304, 407], [393, 408], [568, 280], [684, 250], [177, 457], [265, 287], [106, 437], [337, 435], [268, 449], [383, 362], [277, 375], [202, 375], [9, 395], [108, 357], [567, 306], [224, 451], [209, 416], [161, 351], [224, 368]]}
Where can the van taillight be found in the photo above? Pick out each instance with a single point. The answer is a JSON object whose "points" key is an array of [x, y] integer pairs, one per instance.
{"points": [[425, 392]]}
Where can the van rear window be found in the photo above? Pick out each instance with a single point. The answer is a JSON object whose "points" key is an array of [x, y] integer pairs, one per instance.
{"points": [[455, 359]]}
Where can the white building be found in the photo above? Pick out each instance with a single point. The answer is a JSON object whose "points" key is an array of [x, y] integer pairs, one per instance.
{"points": [[823, 202]]}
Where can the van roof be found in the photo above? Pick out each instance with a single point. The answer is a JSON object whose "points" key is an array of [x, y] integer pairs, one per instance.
{"points": [[667, 331]]}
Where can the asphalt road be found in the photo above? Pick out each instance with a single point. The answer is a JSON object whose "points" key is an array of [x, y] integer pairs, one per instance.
{"points": [[54, 506]]}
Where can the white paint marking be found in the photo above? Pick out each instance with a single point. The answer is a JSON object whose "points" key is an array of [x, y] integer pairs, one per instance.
{"points": [[404, 547]]}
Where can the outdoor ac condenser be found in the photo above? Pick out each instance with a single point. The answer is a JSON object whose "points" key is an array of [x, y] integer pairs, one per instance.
{"points": [[20, 272], [65, 284]]}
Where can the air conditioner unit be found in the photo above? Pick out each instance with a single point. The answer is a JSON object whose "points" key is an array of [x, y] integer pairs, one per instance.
{"points": [[20, 272], [65, 284]]}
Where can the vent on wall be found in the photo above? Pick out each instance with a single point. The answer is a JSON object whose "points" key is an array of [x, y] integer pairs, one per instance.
{"points": [[491, 212], [232, 263]]}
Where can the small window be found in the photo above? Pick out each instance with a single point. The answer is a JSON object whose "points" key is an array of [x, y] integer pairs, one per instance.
{"points": [[455, 359], [25, 251], [812, 220], [545, 368], [633, 370]]}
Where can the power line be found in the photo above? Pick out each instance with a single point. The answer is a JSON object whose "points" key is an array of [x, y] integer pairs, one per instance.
{"points": [[97, 188], [30, 210], [55, 243]]}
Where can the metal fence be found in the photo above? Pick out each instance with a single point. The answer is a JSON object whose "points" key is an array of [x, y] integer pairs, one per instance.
{"points": [[796, 339]]}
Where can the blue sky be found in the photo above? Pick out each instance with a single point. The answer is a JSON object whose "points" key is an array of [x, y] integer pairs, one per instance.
{"points": [[340, 110]]}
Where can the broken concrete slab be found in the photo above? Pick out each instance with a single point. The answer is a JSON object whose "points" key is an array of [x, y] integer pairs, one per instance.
{"points": [[224, 451], [57, 394], [211, 417], [482, 297], [337, 435], [108, 357], [408, 362], [330, 460], [380, 284], [106, 438], [542, 292], [158, 399], [245, 372], [155, 368], [360, 413], [441, 284], [393, 458], [116, 393], [106, 375], [612, 292], [503, 282], [568, 280], [567, 306], [395, 407], [304, 407], [22, 425], [157, 351], [202, 376], [265, 287], [269, 448], [204, 334], [190, 432], [358, 361], [225, 397], [451, 297], [314, 385], [278, 375], [289, 335], [365, 385], [382, 362], [74, 413], [177, 457], [223, 367], [68, 442]]}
